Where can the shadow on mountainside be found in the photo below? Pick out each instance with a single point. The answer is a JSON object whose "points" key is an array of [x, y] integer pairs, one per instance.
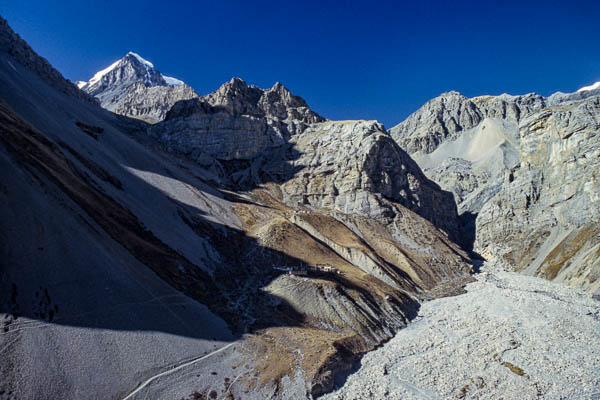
{"points": [[100, 232], [468, 225], [92, 278], [39, 283]]}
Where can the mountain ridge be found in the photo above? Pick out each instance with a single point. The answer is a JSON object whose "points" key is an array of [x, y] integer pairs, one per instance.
{"points": [[114, 245]]}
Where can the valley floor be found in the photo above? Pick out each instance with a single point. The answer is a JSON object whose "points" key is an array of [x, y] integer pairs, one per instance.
{"points": [[510, 336]]}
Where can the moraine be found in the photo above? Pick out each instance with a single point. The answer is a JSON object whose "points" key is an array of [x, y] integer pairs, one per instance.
{"points": [[521, 336]]}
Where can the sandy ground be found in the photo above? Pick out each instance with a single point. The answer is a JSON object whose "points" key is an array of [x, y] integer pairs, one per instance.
{"points": [[510, 336]]}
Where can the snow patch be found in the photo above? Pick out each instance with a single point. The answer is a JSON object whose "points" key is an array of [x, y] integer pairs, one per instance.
{"points": [[96, 78], [172, 81], [140, 59], [591, 87]]}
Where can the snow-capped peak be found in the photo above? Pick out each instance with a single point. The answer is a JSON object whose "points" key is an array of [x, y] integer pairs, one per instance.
{"points": [[145, 71], [98, 75], [169, 80], [591, 87], [140, 59]]}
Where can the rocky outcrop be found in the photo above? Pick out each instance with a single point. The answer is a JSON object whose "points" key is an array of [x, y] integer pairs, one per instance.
{"points": [[447, 116], [544, 220], [466, 145], [355, 167], [237, 122], [132, 87], [441, 118]]}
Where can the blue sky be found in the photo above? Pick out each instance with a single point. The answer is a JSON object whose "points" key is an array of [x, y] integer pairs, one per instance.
{"points": [[349, 60]]}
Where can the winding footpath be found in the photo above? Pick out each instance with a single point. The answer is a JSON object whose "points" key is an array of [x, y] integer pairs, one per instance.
{"points": [[175, 369], [510, 336]]}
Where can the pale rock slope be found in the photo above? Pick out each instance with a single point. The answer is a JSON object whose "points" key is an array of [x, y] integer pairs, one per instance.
{"points": [[545, 220], [523, 170], [466, 145], [132, 86], [135, 266], [509, 336]]}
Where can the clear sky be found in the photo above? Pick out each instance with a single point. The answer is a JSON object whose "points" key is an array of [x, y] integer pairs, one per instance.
{"points": [[349, 60]]}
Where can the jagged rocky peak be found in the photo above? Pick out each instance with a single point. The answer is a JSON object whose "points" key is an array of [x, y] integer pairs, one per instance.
{"points": [[132, 86], [238, 121], [440, 118], [466, 144], [239, 98]]}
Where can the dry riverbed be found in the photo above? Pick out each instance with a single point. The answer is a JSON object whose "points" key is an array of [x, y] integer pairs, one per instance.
{"points": [[510, 336]]}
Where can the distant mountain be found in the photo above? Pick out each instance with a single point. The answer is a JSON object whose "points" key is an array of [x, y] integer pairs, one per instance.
{"points": [[132, 86]]}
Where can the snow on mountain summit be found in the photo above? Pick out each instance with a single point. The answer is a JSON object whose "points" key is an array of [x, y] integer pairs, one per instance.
{"points": [[591, 87], [172, 81], [132, 67], [126, 86], [140, 59]]}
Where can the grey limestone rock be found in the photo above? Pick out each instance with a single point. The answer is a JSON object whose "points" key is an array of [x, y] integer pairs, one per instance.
{"points": [[526, 168], [352, 167], [544, 220], [238, 121]]}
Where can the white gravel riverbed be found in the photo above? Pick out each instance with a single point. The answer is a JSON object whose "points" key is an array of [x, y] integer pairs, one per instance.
{"points": [[509, 337]]}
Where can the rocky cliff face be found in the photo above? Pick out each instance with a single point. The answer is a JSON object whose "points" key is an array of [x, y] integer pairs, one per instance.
{"points": [[497, 162], [447, 116], [355, 167], [133, 87], [439, 119], [237, 122], [350, 167], [544, 220]]}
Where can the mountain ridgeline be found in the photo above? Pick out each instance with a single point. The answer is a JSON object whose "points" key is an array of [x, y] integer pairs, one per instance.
{"points": [[240, 245]]}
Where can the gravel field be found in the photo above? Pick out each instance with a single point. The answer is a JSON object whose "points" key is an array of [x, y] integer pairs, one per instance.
{"points": [[510, 336]]}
